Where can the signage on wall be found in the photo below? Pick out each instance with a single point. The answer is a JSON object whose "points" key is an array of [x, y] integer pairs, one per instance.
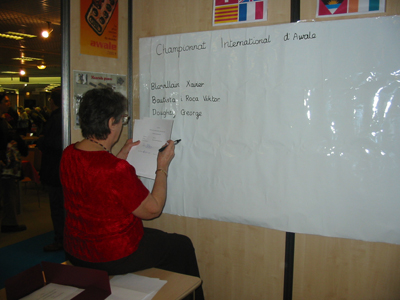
{"points": [[99, 28], [84, 81], [228, 12], [337, 8]]}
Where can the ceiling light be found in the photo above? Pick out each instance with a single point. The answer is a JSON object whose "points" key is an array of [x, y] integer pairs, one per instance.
{"points": [[22, 72], [10, 36], [41, 67], [10, 72], [23, 35], [46, 32], [27, 58]]}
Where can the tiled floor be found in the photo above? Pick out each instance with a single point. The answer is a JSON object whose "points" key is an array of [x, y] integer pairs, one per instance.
{"points": [[37, 219]]}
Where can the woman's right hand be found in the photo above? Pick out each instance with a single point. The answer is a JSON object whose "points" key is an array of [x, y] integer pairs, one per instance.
{"points": [[152, 206], [165, 157]]}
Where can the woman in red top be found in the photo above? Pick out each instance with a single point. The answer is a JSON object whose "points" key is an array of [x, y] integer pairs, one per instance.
{"points": [[105, 201]]}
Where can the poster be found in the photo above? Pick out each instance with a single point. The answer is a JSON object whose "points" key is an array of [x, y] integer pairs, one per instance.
{"points": [[336, 8], [84, 81], [228, 12], [99, 28]]}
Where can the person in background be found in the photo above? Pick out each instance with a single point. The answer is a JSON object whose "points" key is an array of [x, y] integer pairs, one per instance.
{"points": [[37, 119], [50, 144], [105, 201], [32, 126], [23, 121], [11, 149], [12, 117], [46, 112]]}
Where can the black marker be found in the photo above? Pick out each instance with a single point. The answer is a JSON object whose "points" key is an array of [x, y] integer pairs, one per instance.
{"points": [[163, 148]]}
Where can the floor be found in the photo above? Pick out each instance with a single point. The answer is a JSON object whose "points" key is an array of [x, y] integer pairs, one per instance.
{"points": [[37, 219]]}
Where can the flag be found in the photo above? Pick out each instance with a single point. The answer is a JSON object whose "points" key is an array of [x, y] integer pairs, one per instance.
{"points": [[358, 6], [233, 11], [251, 11], [225, 2], [226, 14], [327, 8]]}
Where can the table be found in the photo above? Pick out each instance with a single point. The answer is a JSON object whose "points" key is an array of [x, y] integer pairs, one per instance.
{"points": [[30, 139], [178, 286]]}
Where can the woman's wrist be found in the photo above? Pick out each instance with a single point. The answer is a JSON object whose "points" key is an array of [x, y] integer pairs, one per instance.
{"points": [[163, 171]]}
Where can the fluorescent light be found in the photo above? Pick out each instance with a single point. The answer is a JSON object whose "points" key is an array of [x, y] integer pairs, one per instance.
{"points": [[27, 58], [21, 34], [9, 36], [9, 72]]}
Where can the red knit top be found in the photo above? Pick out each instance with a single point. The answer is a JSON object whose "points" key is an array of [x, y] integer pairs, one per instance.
{"points": [[100, 193]]}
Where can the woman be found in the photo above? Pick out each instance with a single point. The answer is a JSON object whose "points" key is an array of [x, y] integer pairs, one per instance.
{"points": [[105, 201]]}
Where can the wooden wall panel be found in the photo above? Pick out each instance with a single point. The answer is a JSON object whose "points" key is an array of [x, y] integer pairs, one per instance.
{"points": [[333, 268], [236, 261]]}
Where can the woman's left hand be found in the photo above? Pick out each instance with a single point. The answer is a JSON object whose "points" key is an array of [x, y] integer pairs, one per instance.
{"points": [[123, 154]]}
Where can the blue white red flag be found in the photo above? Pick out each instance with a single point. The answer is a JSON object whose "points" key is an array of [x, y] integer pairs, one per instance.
{"points": [[234, 11]]}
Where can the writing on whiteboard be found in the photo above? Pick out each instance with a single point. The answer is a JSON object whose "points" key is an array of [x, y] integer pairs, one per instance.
{"points": [[162, 49]]}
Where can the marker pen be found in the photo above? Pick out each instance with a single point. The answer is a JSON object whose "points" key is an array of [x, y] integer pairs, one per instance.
{"points": [[163, 148]]}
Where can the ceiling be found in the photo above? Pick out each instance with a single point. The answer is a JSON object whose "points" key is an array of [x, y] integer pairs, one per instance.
{"points": [[30, 17]]}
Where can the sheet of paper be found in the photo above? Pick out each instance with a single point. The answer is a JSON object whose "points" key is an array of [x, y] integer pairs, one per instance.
{"points": [[119, 293], [144, 286], [153, 134], [53, 291]]}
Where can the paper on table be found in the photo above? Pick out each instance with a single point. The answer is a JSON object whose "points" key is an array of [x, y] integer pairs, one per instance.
{"points": [[153, 134], [54, 291], [144, 287], [119, 293]]}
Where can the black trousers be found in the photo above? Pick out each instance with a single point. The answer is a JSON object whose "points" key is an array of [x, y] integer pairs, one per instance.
{"points": [[157, 249]]}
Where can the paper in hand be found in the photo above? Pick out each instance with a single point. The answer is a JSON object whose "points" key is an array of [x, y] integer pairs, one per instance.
{"points": [[153, 134]]}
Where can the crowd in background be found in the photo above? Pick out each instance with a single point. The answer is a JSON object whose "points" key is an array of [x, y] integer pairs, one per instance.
{"points": [[15, 124], [27, 120]]}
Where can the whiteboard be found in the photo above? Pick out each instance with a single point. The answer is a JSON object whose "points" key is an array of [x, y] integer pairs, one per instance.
{"points": [[293, 127]]}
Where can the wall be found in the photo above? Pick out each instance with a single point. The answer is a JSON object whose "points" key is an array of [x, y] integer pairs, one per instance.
{"points": [[239, 261]]}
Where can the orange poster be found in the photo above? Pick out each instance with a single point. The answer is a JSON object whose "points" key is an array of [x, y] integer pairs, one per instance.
{"points": [[99, 27]]}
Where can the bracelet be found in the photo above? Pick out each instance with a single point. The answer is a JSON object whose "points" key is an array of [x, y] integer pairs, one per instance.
{"points": [[166, 174]]}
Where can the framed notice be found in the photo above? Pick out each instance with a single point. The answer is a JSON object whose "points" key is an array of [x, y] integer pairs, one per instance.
{"points": [[99, 28], [84, 81]]}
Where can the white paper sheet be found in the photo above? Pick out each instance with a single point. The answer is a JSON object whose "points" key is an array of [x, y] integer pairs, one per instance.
{"points": [[135, 286], [53, 291], [153, 134]]}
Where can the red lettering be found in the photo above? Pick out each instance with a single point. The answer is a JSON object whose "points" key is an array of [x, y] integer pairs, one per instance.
{"points": [[108, 45]]}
